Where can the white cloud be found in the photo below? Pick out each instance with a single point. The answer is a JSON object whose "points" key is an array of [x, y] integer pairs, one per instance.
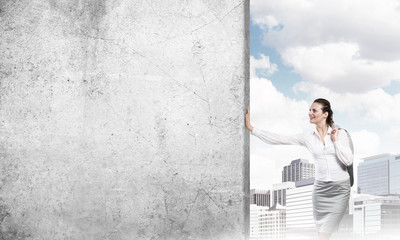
{"points": [[372, 24], [271, 110], [371, 107], [260, 168], [352, 43], [366, 143], [262, 64], [339, 67], [267, 22]]}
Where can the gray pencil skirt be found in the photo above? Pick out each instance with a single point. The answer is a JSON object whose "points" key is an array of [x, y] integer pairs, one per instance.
{"points": [[330, 201]]}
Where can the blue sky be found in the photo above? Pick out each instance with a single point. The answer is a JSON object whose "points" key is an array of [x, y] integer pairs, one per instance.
{"points": [[285, 78], [301, 50]]}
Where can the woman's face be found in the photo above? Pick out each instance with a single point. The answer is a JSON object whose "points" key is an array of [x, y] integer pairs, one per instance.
{"points": [[316, 115]]}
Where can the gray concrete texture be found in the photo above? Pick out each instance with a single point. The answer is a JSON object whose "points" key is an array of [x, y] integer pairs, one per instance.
{"points": [[123, 119]]}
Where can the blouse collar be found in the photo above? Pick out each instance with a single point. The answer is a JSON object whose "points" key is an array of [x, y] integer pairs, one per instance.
{"points": [[328, 133]]}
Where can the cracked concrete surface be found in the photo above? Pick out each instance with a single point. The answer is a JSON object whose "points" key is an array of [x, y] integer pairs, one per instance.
{"points": [[124, 119]]}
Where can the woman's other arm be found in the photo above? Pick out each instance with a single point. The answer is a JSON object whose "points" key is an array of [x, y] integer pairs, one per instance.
{"points": [[342, 146]]}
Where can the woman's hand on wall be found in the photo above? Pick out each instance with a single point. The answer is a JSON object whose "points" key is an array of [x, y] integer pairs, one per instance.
{"points": [[248, 125]]}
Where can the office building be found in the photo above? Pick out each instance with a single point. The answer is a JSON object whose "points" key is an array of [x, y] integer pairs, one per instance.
{"points": [[260, 197], [279, 192], [305, 182], [376, 215], [299, 208], [297, 170], [379, 175], [299, 211], [255, 213], [273, 223]]}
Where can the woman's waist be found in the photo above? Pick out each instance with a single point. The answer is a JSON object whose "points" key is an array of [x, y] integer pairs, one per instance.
{"points": [[336, 179], [331, 175], [329, 163]]}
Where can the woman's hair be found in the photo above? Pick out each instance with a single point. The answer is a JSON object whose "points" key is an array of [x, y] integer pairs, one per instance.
{"points": [[326, 107]]}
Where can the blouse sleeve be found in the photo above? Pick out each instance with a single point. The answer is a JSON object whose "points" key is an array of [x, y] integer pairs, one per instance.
{"points": [[343, 150], [276, 139]]}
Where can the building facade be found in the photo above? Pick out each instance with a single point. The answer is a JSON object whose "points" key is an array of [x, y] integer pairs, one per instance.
{"points": [[273, 223], [376, 216], [299, 208], [299, 211], [379, 175], [297, 170], [394, 175], [255, 213], [260, 197], [279, 192]]}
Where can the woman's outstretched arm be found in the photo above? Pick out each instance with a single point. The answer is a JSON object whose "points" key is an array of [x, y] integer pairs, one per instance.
{"points": [[273, 138]]}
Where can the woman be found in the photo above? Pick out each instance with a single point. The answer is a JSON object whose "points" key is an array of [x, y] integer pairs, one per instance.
{"points": [[332, 153]]}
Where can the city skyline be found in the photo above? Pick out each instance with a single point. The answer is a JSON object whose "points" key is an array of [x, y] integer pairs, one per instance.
{"points": [[374, 211], [391, 167]]}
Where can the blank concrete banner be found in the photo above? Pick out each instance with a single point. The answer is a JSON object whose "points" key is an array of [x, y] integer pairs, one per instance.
{"points": [[124, 119]]}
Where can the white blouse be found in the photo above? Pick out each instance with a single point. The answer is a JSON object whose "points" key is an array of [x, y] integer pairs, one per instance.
{"points": [[330, 160]]}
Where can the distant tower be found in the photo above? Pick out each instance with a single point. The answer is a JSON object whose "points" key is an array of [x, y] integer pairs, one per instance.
{"points": [[298, 169], [379, 175], [260, 197]]}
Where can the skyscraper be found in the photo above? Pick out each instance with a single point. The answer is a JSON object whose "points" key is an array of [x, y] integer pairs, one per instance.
{"points": [[297, 170], [379, 175]]}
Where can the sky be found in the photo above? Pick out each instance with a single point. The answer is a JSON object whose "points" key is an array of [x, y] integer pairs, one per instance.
{"points": [[346, 51]]}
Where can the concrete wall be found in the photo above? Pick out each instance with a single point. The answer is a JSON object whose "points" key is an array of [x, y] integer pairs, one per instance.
{"points": [[123, 119]]}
